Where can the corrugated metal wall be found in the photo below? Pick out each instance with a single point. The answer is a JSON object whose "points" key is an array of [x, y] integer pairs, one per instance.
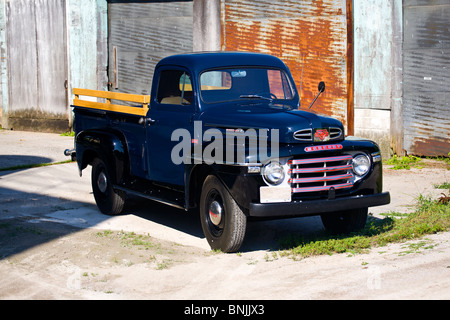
{"points": [[309, 36], [142, 33], [426, 77]]}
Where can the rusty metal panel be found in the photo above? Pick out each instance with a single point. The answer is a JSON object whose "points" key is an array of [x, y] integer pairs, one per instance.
{"points": [[142, 33], [309, 36], [426, 77]]}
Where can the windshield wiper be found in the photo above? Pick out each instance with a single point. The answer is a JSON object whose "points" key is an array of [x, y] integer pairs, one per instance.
{"points": [[254, 96]]}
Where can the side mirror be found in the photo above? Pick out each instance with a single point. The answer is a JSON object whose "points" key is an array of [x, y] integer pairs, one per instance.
{"points": [[321, 86], [321, 89]]}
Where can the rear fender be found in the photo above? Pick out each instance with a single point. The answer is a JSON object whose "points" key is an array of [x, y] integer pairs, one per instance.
{"points": [[107, 145]]}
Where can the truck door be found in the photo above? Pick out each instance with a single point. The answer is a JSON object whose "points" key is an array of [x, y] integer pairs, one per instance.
{"points": [[172, 108]]}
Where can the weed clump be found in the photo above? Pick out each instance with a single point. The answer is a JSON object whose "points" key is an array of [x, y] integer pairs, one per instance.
{"points": [[430, 216]]}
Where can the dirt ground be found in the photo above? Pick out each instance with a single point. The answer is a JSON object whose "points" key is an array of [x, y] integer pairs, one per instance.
{"points": [[54, 244]]}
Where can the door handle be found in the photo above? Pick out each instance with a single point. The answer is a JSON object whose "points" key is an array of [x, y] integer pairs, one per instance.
{"points": [[146, 121]]}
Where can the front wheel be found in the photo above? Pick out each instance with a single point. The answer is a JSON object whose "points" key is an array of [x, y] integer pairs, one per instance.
{"points": [[345, 221], [108, 200], [223, 222]]}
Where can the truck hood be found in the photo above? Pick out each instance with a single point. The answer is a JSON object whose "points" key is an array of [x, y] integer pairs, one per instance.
{"points": [[266, 116]]}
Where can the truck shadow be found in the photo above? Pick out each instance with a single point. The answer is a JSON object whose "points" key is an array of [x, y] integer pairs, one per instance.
{"points": [[25, 223], [187, 222], [269, 234], [30, 218], [260, 235]]}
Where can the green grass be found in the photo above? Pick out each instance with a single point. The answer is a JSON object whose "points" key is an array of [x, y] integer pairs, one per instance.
{"points": [[36, 165], [446, 160], [134, 239], [408, 162], [428, 218], [445, 185], [68, 134], [405, 162], [129, 239]]}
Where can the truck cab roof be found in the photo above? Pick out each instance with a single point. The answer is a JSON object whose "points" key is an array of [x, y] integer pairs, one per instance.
{"points": [[199, 61]]}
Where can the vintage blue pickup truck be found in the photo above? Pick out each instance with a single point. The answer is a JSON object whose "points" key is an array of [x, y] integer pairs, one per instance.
{"points": [[223, 134]]}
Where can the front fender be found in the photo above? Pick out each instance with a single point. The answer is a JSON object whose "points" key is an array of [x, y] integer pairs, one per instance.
{"points": [[242, 186], [109, 146]]}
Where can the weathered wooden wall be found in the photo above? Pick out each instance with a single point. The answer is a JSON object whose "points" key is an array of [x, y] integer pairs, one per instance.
{"points": [[48, 47], [88, 47], [377, 86], [36, 64], [373, 54], [3, 64], [207, 26]]}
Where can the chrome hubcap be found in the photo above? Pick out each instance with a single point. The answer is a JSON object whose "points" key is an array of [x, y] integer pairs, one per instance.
{"points": [[215, 213], [102, 182]]}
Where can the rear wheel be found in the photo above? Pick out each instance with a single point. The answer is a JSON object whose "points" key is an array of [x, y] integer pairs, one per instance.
{"points": [[108, 200], [223, 222], [345, 221]]}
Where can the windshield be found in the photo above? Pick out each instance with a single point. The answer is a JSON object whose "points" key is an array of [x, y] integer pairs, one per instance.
{"points": [[245, 83]]}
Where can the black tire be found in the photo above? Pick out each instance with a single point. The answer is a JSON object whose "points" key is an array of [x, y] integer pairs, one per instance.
{"points": [[223, 222], [345, 221], [109, 201]]}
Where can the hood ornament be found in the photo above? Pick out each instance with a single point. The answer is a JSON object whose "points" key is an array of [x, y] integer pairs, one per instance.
{"points": [[321, 135]]}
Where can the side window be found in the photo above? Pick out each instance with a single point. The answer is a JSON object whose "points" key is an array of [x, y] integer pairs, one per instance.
{"points": [[174, 87]]}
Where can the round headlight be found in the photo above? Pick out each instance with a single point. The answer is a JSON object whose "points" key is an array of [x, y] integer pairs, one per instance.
{"points": [[361, 165], [273, 173]]}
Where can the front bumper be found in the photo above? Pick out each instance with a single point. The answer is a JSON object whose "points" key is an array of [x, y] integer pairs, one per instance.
{"points": [[314, 207]]}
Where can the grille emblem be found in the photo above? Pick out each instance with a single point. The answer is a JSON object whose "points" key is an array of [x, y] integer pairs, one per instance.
{"points": [[321, 135]]}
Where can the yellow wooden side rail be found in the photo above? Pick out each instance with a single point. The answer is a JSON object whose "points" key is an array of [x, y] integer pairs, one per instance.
{"points": [[108, 106]]}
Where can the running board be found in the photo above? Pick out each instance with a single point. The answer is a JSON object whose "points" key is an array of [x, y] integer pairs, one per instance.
{"points": [[167, 197]]}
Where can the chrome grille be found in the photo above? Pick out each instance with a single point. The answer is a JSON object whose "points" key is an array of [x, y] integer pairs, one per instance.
{"points": [[303, 135], [307, 134], [321, 174], [335, 133]]}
